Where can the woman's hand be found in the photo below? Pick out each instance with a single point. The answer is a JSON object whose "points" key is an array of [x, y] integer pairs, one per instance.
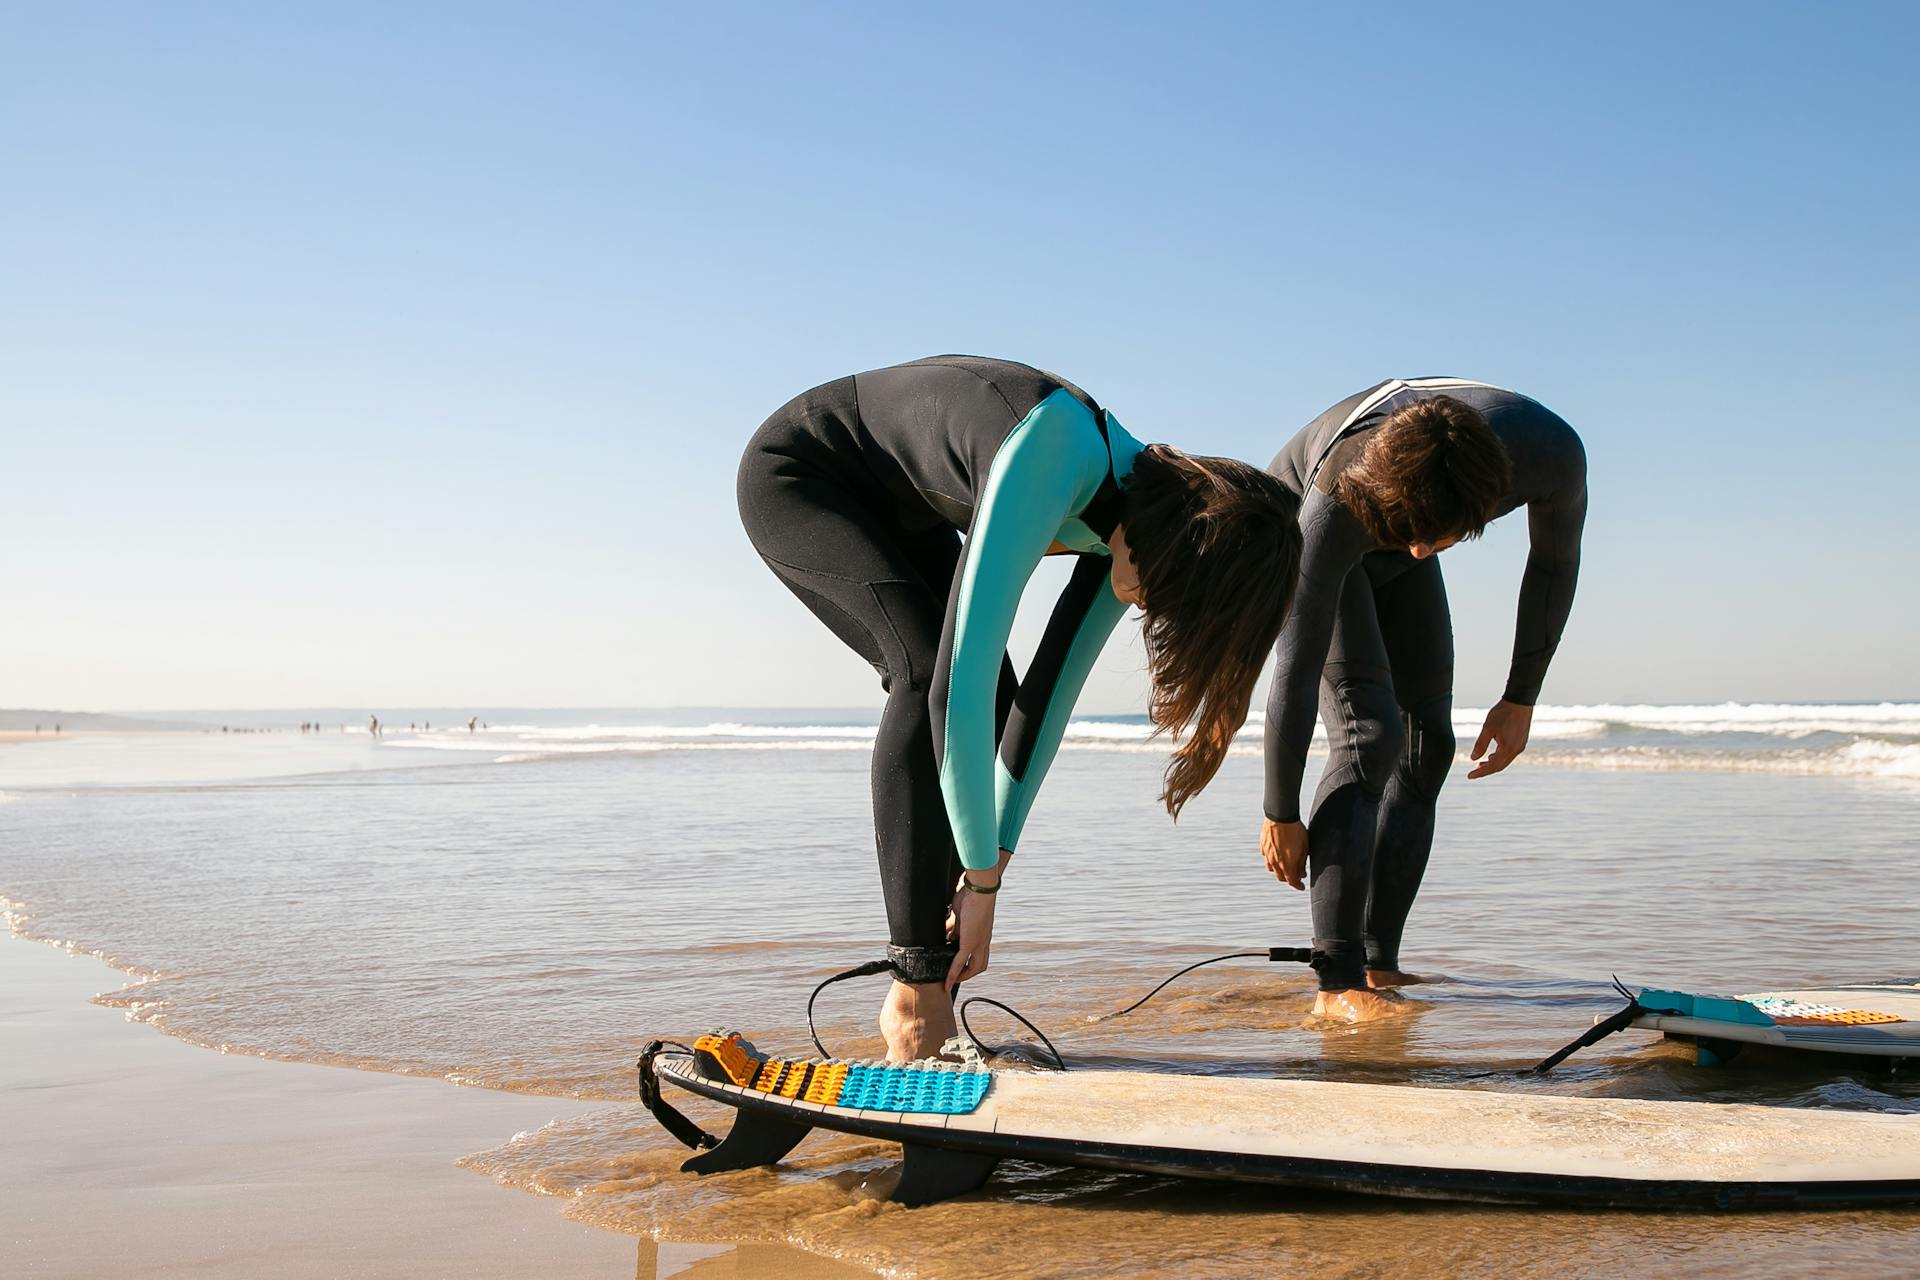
{"points": [[1507, 727], [970, 925], [1284, 846]]}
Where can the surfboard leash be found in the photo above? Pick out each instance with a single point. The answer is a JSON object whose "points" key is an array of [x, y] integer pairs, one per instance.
{"points": [[858, 971], [1600, 1030], [1297, 955], [987, 1050], [669, 1117]]}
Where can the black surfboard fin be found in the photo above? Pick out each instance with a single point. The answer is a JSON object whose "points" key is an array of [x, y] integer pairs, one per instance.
{"points": [[756, 1139], [929, 1175]]}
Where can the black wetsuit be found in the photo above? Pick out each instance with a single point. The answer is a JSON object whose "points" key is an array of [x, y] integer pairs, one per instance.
{"points": [[855, 494], [1371, 628]]}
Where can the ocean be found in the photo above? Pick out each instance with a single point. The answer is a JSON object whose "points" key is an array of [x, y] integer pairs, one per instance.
{"points": [[522, 906]]}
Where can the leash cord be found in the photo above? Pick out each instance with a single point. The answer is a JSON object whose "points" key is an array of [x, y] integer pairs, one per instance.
{"points": [[1300, 955]]}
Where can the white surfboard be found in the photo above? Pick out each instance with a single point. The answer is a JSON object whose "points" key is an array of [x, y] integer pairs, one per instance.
{"points": [[1867, 1020], [1384, 1139]]}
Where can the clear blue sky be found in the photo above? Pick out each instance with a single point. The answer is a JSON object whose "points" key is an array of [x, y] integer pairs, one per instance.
{"points": [[379, 353]]}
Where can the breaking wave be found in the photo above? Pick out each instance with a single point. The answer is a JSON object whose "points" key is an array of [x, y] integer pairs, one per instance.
{"points": [[1879, 740]]}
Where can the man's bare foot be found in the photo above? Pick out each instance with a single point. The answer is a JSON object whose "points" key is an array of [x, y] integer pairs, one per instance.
{"points": [[916, 1020], [1380, 979], [1356, 1004]]}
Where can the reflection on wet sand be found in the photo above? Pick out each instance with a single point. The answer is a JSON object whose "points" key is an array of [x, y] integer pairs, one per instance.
{"points": [[747, 1261]]}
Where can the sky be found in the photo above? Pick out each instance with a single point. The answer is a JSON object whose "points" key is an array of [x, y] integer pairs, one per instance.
{"points": [[363, 354]]}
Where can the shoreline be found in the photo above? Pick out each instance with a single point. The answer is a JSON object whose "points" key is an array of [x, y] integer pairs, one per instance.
{"points": [[129, 1152], [48, 735]]}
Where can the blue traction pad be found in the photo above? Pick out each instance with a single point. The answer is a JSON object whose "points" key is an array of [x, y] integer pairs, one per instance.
{"points": [[913, 1089]]}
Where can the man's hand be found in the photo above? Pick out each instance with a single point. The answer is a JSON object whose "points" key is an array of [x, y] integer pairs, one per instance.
{"points": [[1284, 847], [1506, 730]]}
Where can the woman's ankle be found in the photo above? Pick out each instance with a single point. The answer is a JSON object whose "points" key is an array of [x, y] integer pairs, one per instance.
{"points": [[916, 1020]]}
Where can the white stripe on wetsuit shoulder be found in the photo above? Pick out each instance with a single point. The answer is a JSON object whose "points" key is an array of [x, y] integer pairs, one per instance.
{"points": [[1386, 391], [1395, 386], [1434, 384]]}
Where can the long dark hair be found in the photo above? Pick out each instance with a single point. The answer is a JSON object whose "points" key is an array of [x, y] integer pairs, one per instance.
{"points": [[1217, 544], [1432, 471]]}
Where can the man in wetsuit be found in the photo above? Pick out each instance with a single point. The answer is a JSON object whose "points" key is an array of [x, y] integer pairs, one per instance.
{"points": [[1388, 478]]}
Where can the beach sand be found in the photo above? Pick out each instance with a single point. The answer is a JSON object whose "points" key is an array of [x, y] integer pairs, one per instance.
{"points": [[127, 1153]]}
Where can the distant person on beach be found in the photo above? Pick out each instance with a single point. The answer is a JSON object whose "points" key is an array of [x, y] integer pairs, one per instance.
{"points": [[856, 493], [1388, 479], [373, 726], [471, 721]]}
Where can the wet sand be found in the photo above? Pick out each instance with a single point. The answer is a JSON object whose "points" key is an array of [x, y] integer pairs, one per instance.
{"points": [[125, 1153]]}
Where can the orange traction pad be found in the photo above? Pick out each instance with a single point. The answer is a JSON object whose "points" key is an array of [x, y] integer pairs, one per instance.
{"points": [[731, 1055], [1838, 1018]]}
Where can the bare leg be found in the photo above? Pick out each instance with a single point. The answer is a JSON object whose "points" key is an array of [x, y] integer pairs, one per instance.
{"points": [[916, 1020]]}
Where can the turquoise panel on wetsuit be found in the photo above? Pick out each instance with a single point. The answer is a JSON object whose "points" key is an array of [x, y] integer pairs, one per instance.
{"points": [[1043, 477], [1013, 797]]}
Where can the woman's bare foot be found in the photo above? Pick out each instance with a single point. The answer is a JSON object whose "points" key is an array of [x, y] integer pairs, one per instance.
{"points": [[916, 1020], [1357, 1004], [1380, 979]]}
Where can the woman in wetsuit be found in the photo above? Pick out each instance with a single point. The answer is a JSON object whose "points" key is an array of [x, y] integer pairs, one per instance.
{"points": [[1388, 478], [855, 494]]}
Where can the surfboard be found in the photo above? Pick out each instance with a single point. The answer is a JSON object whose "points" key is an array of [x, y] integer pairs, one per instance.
{"points": [[1869, 1021], [956, 1121]]}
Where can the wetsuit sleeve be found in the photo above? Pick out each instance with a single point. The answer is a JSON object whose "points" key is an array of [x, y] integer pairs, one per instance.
{"points": [[1047, 470], [1554, 527], [1332, 544], [1083, 617]]}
